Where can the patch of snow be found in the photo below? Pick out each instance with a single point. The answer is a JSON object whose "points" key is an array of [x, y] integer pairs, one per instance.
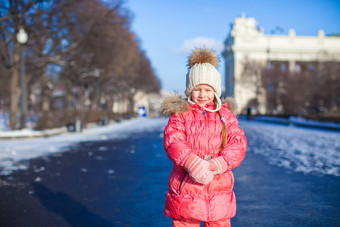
{"points": [[29, 133], [102, 148], [311, 123], [110, 171], [99, 158], [38, 179], [299, 149], [298, 121]]}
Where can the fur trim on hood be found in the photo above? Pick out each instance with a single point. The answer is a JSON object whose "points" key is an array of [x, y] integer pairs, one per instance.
{"points": [[178, 104]]}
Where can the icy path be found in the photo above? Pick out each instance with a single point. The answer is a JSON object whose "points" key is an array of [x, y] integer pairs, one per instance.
{"points": [[14, 154], [298, 149]]}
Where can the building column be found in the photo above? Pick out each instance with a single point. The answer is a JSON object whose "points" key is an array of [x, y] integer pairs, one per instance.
{"points": [[291, 66]]}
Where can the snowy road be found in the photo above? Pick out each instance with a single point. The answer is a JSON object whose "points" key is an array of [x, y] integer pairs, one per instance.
{"points": [[117, 176], [15, 154], [299, 149]]}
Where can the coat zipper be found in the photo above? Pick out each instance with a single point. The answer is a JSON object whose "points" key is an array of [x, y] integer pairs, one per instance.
{"points": [[207, 200], [206, 186]]}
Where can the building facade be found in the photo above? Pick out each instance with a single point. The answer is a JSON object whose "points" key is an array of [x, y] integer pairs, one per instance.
{"points": [[247, 46]]}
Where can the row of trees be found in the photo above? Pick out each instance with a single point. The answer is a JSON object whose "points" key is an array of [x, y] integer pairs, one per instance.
{"points": [[84, 46], [311, 89]]}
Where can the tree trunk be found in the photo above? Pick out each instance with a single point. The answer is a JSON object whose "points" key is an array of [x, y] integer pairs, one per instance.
{"points": [[68, 117], [14, 88], [95, 101], [45, 100], [131, 104]]}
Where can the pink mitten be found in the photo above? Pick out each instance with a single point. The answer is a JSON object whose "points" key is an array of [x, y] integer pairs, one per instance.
{"points": [[199, 169], [218, 165]]}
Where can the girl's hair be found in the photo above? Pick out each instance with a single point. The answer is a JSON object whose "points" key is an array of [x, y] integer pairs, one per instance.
{"points": [[224, 134]]}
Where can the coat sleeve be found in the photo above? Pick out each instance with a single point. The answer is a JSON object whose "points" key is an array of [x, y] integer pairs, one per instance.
{"points": [[175, 140], [235, 149]]}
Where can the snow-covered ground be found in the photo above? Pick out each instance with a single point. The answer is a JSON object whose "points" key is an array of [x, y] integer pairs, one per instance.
{"points": [[299, 121], [299, 149]]}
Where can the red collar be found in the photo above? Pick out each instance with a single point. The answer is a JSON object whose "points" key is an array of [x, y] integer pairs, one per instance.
{"points": [[210, 105]]}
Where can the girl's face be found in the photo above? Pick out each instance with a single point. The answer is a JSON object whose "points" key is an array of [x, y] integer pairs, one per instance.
{"points": [[202, 94]]}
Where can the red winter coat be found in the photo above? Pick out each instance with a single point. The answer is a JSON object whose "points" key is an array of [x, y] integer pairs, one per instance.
{"points": [[192, 130]]}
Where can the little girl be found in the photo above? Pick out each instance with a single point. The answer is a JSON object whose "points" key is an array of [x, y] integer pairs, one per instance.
{"points": [[204, 142]]}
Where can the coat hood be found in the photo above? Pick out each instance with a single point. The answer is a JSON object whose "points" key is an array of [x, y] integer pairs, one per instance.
{"points": [[178, 104]]}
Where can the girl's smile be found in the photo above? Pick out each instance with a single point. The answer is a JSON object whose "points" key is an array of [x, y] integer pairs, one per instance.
{"points": [[202, 94]]}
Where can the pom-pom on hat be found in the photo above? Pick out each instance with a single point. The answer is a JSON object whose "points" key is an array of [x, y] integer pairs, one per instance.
{"points": [[203, 70]]}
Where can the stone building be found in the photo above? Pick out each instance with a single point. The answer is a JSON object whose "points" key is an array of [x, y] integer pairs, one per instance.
{"points": [[247, 44]]}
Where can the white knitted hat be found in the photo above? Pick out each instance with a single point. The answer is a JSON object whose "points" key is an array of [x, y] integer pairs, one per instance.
{"points": [[202, 70]]}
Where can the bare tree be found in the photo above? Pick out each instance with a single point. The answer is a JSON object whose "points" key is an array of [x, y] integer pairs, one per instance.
{"points": [[15, 14], [86, 45], [312, 91]]}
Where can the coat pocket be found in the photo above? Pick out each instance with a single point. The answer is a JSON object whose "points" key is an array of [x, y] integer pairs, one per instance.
{"points": [[181, 184], [189, 186]]}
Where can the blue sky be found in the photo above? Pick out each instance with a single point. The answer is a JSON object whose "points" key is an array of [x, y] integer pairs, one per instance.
{"points": [[169, 29]]}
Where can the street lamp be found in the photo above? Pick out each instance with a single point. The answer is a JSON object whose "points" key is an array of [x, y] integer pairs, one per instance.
{"points": [[97, 75], [22, 38]]}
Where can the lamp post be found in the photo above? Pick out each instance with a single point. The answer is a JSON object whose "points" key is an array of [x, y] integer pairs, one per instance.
{"points": [[97, 75], [22, 38]]}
